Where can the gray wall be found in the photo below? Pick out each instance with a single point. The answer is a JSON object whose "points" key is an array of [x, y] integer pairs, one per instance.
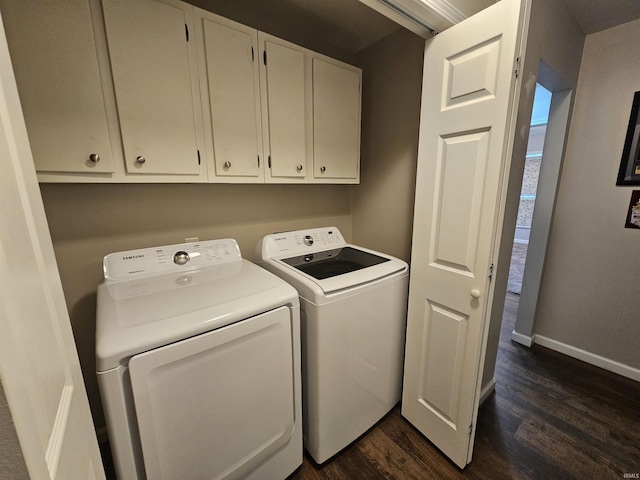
{"points": [[589, 295], [383, 202], [12, 466]]}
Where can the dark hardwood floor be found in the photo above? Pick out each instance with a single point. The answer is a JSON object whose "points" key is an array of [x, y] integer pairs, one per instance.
{"points": [[551, 417]]}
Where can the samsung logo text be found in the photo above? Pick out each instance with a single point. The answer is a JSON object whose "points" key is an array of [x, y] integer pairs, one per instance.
{"points": [[132, 257]]}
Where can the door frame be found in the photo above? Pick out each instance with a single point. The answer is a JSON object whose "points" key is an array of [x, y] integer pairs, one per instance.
{"points": [[550, 169]]}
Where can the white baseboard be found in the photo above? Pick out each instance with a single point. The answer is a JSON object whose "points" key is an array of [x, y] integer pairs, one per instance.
{"points": [[583, 355], [487, 390], [522, 339]]}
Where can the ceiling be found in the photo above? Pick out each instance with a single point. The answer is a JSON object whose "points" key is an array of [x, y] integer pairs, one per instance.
{"points": [[342, 28], [596, 15], [338, 28]]}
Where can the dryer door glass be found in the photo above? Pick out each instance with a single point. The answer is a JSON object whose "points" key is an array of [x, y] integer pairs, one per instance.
{"points": [[330, 263]]}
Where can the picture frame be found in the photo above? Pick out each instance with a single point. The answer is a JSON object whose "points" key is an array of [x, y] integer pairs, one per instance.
{"points": [[629, 172], [633, 213]]}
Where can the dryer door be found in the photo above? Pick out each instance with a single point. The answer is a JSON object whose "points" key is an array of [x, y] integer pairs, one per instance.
{"points": [[216, 405]]}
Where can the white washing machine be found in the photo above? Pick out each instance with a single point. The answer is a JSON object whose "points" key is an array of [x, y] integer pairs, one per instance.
{"points": [[198, 363], [353, 305]]}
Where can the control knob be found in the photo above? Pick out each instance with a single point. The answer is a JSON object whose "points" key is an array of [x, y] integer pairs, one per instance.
{"points": [[308, 240], [180, 258]]}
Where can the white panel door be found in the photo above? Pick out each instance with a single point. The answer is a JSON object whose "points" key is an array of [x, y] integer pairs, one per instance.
{"points": [[216, 405], [465, 141], [155, 80], [233, 86], [285, 111], [39, 365]]}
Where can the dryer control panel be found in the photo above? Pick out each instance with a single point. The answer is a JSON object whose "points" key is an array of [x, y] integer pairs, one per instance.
{"points": [[169, 258], [299, 242]]}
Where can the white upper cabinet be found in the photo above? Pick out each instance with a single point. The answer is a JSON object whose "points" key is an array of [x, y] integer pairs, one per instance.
{"points": [[255, 97], [61, 93], [336, 121], [155, 79], [266, 98], [230, 85], [140, 91], [285, 106]]}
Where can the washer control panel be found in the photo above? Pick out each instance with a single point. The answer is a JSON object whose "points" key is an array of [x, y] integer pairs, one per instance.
{"points": [[179, 257], [300, 242]]}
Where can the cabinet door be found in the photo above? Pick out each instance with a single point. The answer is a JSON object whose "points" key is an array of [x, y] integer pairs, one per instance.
{"points": [[336, 120], [232, 87], [61, 93], [284, 108], [152, 66]]}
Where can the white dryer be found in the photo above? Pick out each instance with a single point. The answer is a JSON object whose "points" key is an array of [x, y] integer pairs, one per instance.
{"points": [[198, 364], [353, 305]]}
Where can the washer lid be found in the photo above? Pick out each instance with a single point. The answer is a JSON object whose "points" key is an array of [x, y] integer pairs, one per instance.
{"points": [[140, 314], [336, 277], [338, 261]]}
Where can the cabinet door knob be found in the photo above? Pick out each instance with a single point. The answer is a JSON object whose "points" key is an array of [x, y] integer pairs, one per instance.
{"points": [[227, 164], [323, 169], [140, 159], [475, 293], [299, 168], [94, 157]]}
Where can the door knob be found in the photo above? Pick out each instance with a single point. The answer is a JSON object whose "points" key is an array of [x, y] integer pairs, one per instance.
{"points": [[140, 159], [475, 293]]}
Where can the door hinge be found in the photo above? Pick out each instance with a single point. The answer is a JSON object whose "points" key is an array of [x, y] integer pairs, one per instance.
{"points": [[491, 272], [198, 157], [470, 428], [258, 161], [253, 56], [269, 161], [264, 57], [518, 65], [186, 31]]}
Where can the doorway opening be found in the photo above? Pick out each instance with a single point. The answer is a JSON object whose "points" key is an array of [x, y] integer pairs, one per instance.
{"points": [[545, 200], [532, 165]]}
